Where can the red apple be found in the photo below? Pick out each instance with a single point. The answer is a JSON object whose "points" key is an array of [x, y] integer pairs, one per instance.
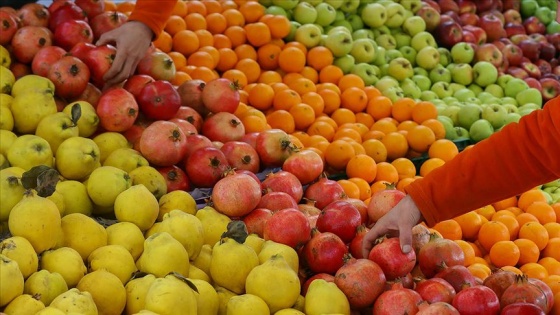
{"points": [[517, 72], [533, 25], [468, 37], [531, 69], [448, 5], [556, 70], [530, 48], [454, 16], [544, 66], [554, 39], [479, 33], [433, 4], [534, 83], [513, 54], [449, 33], [493, 27], [469, 18], [467, 6], [430, 15], [511, 5], [514, 29], [539, 38], [550, 88], [513, 16], [485, 5], [489, 52]]}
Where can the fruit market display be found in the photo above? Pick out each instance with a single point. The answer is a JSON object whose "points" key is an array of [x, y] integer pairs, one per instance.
{"points": [[238, 170]]}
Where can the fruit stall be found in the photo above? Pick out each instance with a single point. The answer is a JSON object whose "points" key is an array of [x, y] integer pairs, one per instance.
{"points": [[239, 168]]}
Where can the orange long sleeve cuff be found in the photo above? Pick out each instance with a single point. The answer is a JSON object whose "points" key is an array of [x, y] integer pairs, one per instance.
{"points": [[519, 157], [153, 13]]}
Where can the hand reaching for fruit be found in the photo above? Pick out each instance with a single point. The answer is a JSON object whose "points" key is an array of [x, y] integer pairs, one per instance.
{"points": [[132, 40], [398, 221]]}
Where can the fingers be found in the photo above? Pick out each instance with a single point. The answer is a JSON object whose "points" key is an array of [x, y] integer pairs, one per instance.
{"points": [[369, 239], [405, 238]]}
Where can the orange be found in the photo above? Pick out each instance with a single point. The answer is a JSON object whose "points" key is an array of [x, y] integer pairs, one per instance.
{"points": [[551, 265], [285, 99], [365, 119], [270, 77], [480, 271], [185, 42], [205, 38], [203, 73], [512, 269], [343, 115], [314, 100], [180, 8], [470, 224], [373, 134], [175, 24], [216, 23], [476, 249], [449, 229], [261, 96], [556, 207], [289, 78], [350, 80], [196, 7], [430, 165], [267, 56], [486, 211], [252, 11], [201, 59], [195, 21], [213, 51], [420, 138], [279, 26], [505, 203], [338, 153], [405, 167], [180, 78], [423, 111], [233, 17], [350, 189], [552, 248], [402, 109], [482, 261], [235, 75], [330, 74], [164, 42], [542, 211], [178, 59], [384, 125], [436, 126], [396, 145], [492, 232], [406, 125], [250, 68], [386, 172], [529, 252], [512, 225], [534, 270], [468, 251], [354, 98], [402, 183], [303, 115], [504, 253], [362, 166], [365, 188], [526, 217], [212, 6], [515, 210], [535, 232], [347, 133], [319, 57], [379, 107], [501, 213], [227, 60], [376, 149], [528, 197], [246, 51], [310, 73], [236, 35], [258, 34], [444, 149], [291, 59], [553, 282], [302, 85], [553, 229]]}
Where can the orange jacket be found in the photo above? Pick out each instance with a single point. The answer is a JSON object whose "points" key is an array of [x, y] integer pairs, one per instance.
{"points": [[153, 13], [519, 157]]}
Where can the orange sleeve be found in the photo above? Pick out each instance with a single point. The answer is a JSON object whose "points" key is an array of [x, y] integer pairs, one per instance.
{"points": [[519, 157], [153, 13]]}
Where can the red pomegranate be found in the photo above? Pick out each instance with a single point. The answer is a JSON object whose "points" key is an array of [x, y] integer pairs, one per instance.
{"points": [[546, 290], [241, 156], [499, 280], [389, 256], [175, 178], [190, 115], [522, 308], [382, 201], [187, 128], [458, 276], [117, 110], [361, 280], [355, 246], [397, 300], [324, 191], [191, 95], [235, 195], [306, 165], [34, 14], [223, 127], [256, 219], [361, 206], [28, 40], [277, 200], [437, 308], [163, 143], [45, 58], [289, 227], [341, 218], [439, 253], [274, 147], [524, 291], [435, 290], [476, 300], [220, 95], [135, 83], [205, 166], [420, 237], [285, 182], [324, 252]]}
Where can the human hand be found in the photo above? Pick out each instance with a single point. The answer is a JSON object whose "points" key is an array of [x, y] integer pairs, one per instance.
{"points": [[132, 40], [398, 221]]}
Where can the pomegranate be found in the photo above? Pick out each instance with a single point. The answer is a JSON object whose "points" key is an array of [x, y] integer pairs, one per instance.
{"points": [[8, 27], [522, 308], [81, 49], [106, 21], [250, 138], [439, 253], [341, 218], [546, 290], [158, 65], [117, 110], [163, 143], [388, 255], [420, 237], [196, 141], [382, 201], [190, 115], [311, 212], [66, 13], [277, 200], [91, 94], [256, 219], [324, 252], [285, 182], [220, 95], [355, 246], [99, 60], [205, 166], [235, 195], [69, 33], [274, 147], [253, 175], [187, 128], [437, 308], [223, 127], [476, 300], [175, 178], [34, 14], [324, 191], [435, 290], [397, 300], [135, 83], [289, 227], [159, 100], [361, 280], [28, 40], [70, 77], [55, 5], [325, 276], [19, 69], [190, 92], [241, 156], [92, 8], [458, 276], [361, 206], [45, 58], [522, 290], [306, 165], [499, 280]]}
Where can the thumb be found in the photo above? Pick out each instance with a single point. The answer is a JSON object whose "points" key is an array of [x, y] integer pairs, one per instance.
{"points": [[104, 39], [405, 238]]}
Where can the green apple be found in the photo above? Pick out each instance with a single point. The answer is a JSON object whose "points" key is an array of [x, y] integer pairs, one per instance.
{"points": [[412, 5], [409, 53], [485, 73], [308, 34], [423, 82], [421, 71], [553, 28], [428, 95], [394, 93], [528, 8], [452, 112], [77, 157], [442, 89], [544, 14], [527, 108], [345, 63], [477, 89], [343, 23], [487, 98], [468, 114], [339, 15], [380, 57], [414, 25], [440, 74], [530, 95], [293, 28], [462, 133], [553, 183], [402, 39], [510, 108], [428, 57], [374, 15], [326, 14], [386, 82], [495, 90], [462, 53], [384, 70], [57, 127], [450, 132], [386, 41], [285, 4], [334, 3], [368, 73], [350, 6], [410, 89], [495, 114], [363, 50], [28, 151], [504, 79], [276, 10], [445, 56], [355, 21], [512, 118], [391, 54], [312, 2], [423, 39], [480, 130], [339, 43], [450, 100], [506, 100], [462, 73], [400, 68], [363, 33], [514, 86], [395, 15], [383, 29], [463, 95], [456, 87]]}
